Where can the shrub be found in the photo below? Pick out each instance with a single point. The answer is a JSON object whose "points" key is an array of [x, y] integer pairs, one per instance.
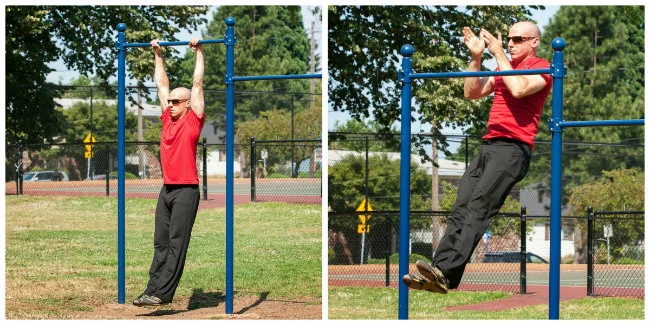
{"points": [[394, 259]]}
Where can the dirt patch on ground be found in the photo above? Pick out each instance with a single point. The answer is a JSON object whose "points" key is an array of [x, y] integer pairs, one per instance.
{"points": [[251, 307]]}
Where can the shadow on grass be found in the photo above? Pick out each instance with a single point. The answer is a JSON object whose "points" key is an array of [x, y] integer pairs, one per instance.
{"points": [[201, 299]]}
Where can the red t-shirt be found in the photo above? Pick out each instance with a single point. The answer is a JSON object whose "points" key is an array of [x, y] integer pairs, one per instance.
{"points": [[178, 141], [517, 118]]}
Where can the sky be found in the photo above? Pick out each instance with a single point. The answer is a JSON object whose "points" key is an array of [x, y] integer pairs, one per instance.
{"points": [[541, 16]]}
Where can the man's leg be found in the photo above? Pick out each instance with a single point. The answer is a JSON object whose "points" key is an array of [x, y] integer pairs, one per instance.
{"points": [[160, 240], [185, 203], [505, 165], [458, 215]]}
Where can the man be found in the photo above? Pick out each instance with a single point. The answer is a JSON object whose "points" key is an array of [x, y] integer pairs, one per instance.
{"points": [[178, 201], [504, 156]]}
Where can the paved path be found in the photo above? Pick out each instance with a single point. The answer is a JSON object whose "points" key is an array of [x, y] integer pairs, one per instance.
{"points": [[537, 295]]}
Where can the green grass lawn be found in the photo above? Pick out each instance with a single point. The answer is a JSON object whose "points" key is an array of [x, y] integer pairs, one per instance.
{"points": [[61, 252], [382, 303]]}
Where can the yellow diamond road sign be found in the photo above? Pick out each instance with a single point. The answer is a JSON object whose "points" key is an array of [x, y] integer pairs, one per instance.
{"points": [[90, 140], [362, 208]]}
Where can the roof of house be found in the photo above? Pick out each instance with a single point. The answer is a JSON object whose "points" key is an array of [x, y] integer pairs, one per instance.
{"points": [[446, 167]]}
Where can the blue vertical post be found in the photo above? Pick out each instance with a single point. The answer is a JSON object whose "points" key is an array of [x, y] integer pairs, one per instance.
{"points": [[230, 152], [121, 76], [558, 73], [404, 181]]}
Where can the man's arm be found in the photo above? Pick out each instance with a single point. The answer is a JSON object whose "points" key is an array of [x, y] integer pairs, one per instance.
{"points": [[159, 75], [519, 86], [198, 104], [476, 87]]}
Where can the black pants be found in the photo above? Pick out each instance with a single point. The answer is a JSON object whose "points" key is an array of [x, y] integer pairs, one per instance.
{"points": [[498, 166], [175, 215]]}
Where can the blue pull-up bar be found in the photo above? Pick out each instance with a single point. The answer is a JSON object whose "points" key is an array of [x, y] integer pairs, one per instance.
{"points": [[229, 79], [179, 43], [556, 125]]}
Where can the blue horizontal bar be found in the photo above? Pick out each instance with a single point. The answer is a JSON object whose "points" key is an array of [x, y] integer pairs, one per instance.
{"points": [[206, 41], [288, 76], [463, 74], [577, 124]]}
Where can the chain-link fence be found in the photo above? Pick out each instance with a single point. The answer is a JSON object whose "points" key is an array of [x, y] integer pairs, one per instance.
{"points": [[290, 168], [363, 251], [72, 169], [349, 180], [617, 253]]}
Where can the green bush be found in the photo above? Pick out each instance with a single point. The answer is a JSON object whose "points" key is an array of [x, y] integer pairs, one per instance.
{"points": [[331, 256], [394, 259], [627, 261], [127, 175]]}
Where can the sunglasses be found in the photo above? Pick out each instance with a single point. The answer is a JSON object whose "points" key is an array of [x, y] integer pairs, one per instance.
{"points": [[519, 39], [176, 101]]}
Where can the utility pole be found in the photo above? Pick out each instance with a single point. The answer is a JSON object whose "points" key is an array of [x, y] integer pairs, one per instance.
{"points": [[141, 166]]}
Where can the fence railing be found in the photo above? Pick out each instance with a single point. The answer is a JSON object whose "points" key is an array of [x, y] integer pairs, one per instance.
{"points": [[510, 257], [297, 162], [96, 174]]}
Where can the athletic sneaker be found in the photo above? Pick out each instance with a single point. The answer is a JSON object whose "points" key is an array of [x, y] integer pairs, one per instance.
{"points": [[433, 274], [147, 300], [418, 282]]}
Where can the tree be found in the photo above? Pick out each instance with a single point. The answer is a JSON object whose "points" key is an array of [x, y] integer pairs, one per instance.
{"points": [[604, 57], [363, 59], [346, 181], [271, 40], [83, 38], [276, 125], [353, 134], [618, 190]]}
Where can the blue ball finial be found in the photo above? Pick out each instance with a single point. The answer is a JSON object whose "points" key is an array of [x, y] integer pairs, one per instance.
{"points": [[121, 27], [558, 44], [407, 50], [230, 21]]}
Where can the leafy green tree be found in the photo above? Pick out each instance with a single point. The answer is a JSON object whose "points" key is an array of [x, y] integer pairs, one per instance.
{"points": [[276, 125], [617, 190], [271, 40], [605, 80], [363, 58], [83, 38], [353, 133], [346, 181]]}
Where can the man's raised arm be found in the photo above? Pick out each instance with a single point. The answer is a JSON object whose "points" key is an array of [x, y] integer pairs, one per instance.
{"points": [[160, 75], [198, 104]]}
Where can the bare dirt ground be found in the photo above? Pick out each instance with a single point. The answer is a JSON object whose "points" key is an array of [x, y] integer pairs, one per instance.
{"points": [[244, 308]]}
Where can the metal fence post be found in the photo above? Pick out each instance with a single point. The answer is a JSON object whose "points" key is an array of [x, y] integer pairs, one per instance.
{"points": [[205, 169], [19, 167], [590, 251], [522, 265], [387, 247], [252, 169], [108, 168]]}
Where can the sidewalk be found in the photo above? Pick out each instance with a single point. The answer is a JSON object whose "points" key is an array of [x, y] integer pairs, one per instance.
{"points": [[536, 295]]}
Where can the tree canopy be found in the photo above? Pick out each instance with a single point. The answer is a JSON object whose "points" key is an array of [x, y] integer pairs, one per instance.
{"points": [[605, 80], [363, 59], [271, 40], [83, 38]]}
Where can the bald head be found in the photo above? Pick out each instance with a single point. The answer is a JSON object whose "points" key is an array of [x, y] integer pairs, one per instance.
{"points": [[180, 93], [525, 28]]}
